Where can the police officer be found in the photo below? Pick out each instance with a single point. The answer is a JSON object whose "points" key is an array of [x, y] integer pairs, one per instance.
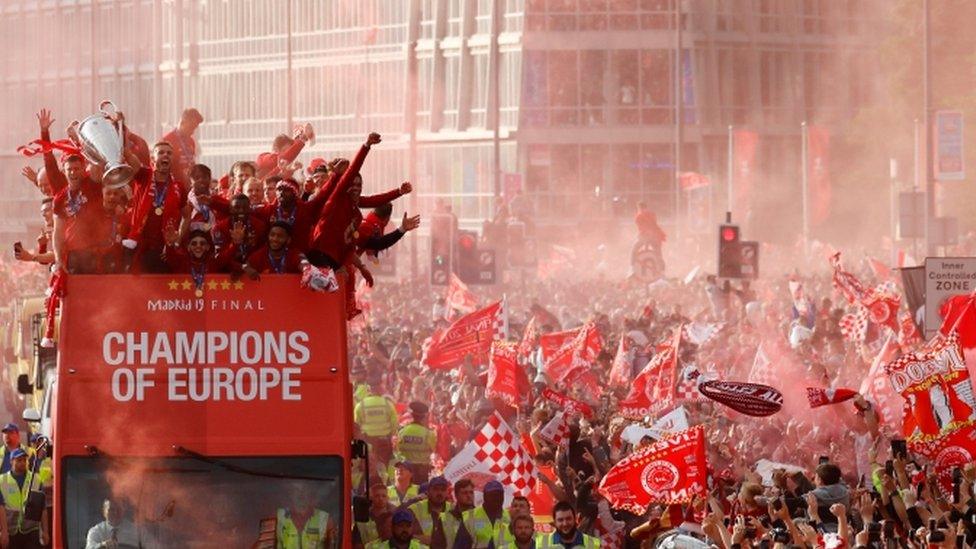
{"points": [[378, 420], [566, 536], [303, 525], [15, 484], [416, 442], [488, 524], [402, 537], [403, 490], [434, 523]]}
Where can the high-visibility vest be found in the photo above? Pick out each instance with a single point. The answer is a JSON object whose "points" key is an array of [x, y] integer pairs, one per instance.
{"points": [[421, 511], [482, 531], [312, 535], [414, 544], [416, 442], [368, 531], [547, 541], [512, 544], [376, 416], [14, 499], [412, 491]]}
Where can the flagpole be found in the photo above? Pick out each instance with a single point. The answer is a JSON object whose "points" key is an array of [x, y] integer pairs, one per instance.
{"points": [[804, 143], [730, 168]]}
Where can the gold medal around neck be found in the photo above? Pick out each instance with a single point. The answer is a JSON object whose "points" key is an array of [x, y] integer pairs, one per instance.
{"points": [[159, 211], [199, 292]]}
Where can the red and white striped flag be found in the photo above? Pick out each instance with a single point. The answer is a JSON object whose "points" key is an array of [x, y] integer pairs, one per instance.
{"points": [[496, 451]]}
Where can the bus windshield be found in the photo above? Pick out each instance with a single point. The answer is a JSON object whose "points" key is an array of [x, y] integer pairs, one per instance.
{"points": [[201, 502]]}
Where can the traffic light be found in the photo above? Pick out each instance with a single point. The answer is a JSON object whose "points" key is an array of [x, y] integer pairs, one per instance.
{"points": [[467, 256], [729, 257]]}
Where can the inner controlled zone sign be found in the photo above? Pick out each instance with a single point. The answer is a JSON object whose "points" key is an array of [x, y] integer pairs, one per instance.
{"points": [[944, 278]]}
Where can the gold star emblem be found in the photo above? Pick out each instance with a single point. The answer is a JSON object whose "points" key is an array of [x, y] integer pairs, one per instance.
{"points": [[173, 285], [186, 285], [238, 285], [225, 285], [212, 285]]}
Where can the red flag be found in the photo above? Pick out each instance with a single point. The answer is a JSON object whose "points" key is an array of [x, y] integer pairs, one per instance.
{"points": [[569, 405], [743, 173], [751, 399], [880, 270], [818, 396], [530, 338], [459, 298], [471, 334], [623, 363], [939, 396], [576, 351], [653, 388], [672, 470], [959, 314], [956, 450], [507, 381], [818, 174], [877, 389]]}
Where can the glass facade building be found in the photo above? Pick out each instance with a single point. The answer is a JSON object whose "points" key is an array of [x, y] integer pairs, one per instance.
{"points": [[585, 109]]}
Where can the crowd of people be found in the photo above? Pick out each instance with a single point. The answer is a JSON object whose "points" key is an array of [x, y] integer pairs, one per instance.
{"points": [[825, 477]]}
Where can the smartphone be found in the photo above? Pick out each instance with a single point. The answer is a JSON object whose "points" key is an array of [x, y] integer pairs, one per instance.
{"points": [[750, 532], [888, 529], [890, 468], [932, 524], [18, 247], [899, 448], [777, 504]]}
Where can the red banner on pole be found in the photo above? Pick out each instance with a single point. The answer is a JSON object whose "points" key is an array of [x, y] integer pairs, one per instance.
{"points": [[818, 173], [670, 471], [471, 334], [507, 381], [653, 388], [576, 350]]}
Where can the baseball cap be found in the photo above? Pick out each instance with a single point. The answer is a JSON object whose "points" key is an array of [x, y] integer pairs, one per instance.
{"points": [[438, 481], [493, 486], [316, 163], [10, 427], [419, 408], [18, 453], [401, 516]]}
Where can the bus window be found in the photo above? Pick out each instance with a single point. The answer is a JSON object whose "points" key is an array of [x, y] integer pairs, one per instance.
{"points": [[201, 502]]}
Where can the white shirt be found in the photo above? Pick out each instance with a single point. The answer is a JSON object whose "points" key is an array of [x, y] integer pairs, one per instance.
{"points": [[125, 535]]}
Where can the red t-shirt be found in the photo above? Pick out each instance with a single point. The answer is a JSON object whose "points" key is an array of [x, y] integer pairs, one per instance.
{"points": [[262, 262], [79, 210]]}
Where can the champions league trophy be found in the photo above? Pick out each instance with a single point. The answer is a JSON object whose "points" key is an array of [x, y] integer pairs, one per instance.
{"points": [[101, 139]]}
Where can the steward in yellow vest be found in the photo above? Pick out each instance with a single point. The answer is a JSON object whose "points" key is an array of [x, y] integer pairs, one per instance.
{"points": [[490, 522], [566, 534], [402, 538]]}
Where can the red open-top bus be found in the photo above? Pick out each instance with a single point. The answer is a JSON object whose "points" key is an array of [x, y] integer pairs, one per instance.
{"points": [[200, 413]]}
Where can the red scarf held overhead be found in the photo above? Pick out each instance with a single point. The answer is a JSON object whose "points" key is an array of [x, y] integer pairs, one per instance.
{"points": [[41, 146], [569, 405]]}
